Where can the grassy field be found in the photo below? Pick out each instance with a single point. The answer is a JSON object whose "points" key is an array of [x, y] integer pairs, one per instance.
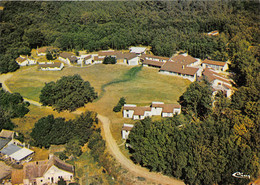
{"points": [[140, 86]]}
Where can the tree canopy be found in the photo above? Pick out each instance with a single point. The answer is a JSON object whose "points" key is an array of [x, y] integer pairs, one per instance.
{"points": [[12, 105], [68, 93], [166, 26], [49, 130], [204, 151]]}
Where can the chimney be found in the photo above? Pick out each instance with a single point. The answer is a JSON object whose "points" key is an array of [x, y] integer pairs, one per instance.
{"points": [[183, 66]]}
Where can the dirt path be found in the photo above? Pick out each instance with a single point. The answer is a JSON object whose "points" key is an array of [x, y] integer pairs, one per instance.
{"points": [[127, 163], [112, 146]]}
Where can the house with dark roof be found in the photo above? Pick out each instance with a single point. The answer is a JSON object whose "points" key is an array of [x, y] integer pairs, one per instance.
{"points": [[155, 109], [216, 65], [67, 58], [44, 172]]}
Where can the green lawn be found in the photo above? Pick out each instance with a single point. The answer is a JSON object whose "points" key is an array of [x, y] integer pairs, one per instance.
{"points": [[138, 86]]}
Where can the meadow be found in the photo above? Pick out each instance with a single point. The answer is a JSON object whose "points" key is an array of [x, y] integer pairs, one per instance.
{"points": [[139, 85]]}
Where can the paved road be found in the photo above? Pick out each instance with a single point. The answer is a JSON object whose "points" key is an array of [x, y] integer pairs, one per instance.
{"points": [[113, 147]]}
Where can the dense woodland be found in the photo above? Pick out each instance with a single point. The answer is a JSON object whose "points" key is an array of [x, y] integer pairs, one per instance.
{"points": [[204, 145], [165, 26]]}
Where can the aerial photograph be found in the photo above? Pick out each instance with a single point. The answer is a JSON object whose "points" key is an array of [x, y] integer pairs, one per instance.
{"points": [[130, 92]]}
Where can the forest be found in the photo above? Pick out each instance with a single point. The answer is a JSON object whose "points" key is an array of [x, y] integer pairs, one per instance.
{"points": [[167, 27], [204, 145]]}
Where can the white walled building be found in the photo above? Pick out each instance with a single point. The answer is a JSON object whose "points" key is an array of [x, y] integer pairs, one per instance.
{"points": [[126, 130], [53, 66], [218, 82], [131, 59], [216, 65], [156, 109], [23, 60], [138, 50], [43, 172]]}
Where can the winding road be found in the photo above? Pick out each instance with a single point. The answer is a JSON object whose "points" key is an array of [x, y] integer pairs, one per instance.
{"points": [[113, 147]]}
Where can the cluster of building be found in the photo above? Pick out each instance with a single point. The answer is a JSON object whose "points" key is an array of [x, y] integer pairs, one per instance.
{"points": [[181, 65], [43, 172], [155, 109], [12, 149]]}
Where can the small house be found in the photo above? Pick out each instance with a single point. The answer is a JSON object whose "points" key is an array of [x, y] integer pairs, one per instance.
{"points": [[23, 60], [216, 65], [98, 60], [44, 172], [131, 59], [126, 130], [67, 58]]}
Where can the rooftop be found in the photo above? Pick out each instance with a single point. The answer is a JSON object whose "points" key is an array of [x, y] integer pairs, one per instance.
{"points": [[10, 149], [213, 62], [4, 142], [6, 133], [183, 59], [21, 154], [137, 50], [211, 75], [52, 65], [153, 63], [178, 68]]}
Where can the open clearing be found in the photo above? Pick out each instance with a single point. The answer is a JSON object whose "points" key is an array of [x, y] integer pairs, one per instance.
{"points": [[147, 86]]}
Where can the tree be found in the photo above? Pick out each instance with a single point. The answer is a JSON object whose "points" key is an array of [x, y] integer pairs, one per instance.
{"points": [[197, 99], [109, 60], [119, 105], [73, 148], [49, 130], [49, 56], [68, 93]]}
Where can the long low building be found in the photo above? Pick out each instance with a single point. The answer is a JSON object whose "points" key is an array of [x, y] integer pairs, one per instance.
{"points": [[217, 65], [53, 66], [176, 69], [155, 109]]}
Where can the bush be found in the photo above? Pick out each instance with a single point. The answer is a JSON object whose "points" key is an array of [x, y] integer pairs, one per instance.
{"points": [[109, 60], [119, 105]]}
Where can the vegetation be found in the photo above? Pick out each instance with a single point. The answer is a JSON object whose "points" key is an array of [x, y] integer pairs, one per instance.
{"points": [[11, 106], [49, 130], [200, 151], [197, 100], [165, 26], [119, 105], [109, 60], [68, 93]]}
